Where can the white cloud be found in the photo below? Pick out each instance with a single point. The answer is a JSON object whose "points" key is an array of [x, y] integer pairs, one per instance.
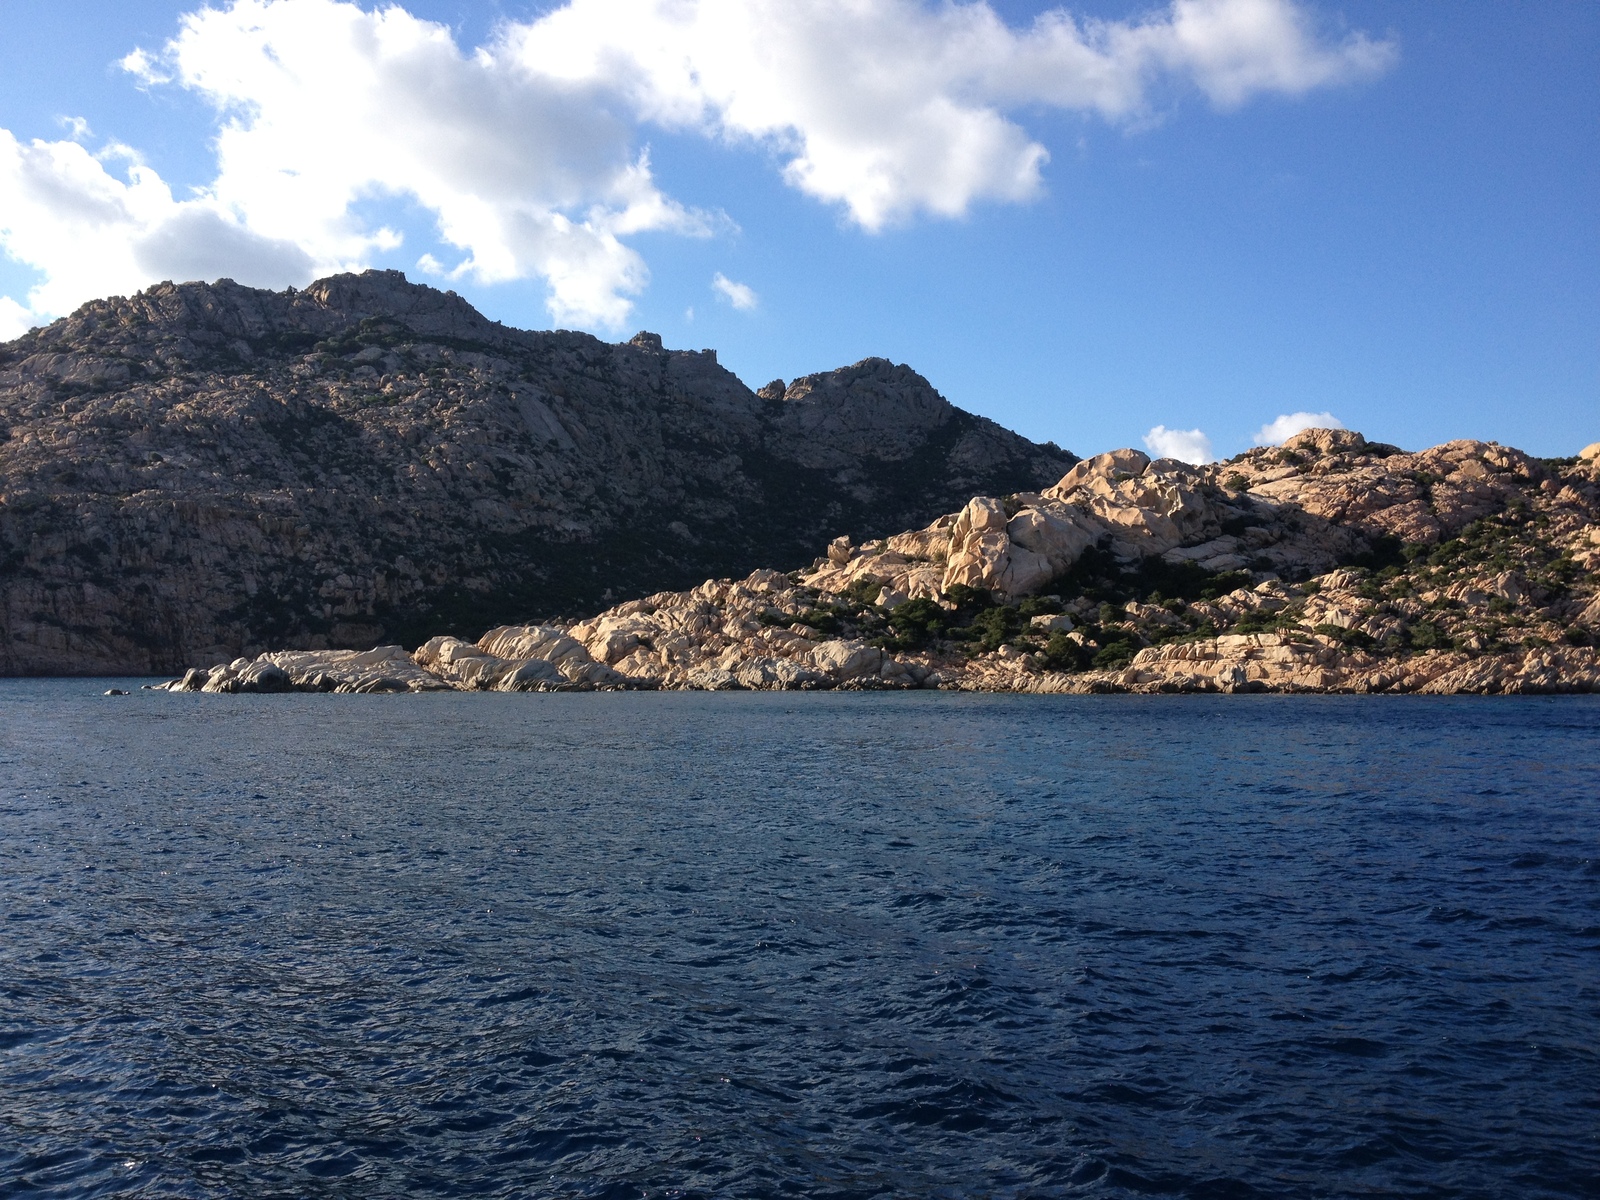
{"points": [[322, 106], [14, 319], [1186, 445], [526, 151], [92, 233], [325, 105], [1281, 429], [894, 107], [740, 295], [144, 66], [1233, 49]]}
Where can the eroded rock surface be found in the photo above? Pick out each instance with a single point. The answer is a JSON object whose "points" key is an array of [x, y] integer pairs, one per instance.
{"points": [[383, 669]]}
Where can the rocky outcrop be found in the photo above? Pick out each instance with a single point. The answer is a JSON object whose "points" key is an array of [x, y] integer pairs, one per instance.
{"points": [[384, 669], [1325, 497], [204, 471], [1285, 662], [1328, 565], [723, 635]]}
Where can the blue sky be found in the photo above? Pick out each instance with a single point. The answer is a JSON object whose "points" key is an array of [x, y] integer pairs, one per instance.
{"points": [[1394, 220]]}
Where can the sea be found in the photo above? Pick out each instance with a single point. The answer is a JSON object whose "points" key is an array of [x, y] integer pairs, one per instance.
{"points": [[797, 945]]}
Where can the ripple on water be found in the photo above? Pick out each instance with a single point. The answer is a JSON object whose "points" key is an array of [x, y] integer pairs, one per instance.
{"points": [[830, 946]]}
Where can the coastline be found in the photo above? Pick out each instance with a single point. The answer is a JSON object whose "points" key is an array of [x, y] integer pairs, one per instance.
{"points": [[1329, 565]]}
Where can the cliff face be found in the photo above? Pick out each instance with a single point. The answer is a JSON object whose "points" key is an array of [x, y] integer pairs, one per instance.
{"points": [[202, 471]]}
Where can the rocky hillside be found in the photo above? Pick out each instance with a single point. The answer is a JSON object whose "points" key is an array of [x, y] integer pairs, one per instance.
{"points": [[1330, 564], [202, 471]]}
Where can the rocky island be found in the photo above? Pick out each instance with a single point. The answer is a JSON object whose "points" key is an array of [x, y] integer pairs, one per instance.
{"points": [[264, 486]]}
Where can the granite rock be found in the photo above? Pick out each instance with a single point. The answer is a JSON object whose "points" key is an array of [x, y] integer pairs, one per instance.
{"points": [[1331, 564]]}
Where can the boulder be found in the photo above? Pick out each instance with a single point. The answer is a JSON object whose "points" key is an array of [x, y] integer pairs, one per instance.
{"points": [[260, 676], [841, 659], [384, 668], [532, 675], [522, 642], [1326, 441]]}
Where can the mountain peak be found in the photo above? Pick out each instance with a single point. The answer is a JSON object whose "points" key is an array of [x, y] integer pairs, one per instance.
{"points": [[369, 458]]}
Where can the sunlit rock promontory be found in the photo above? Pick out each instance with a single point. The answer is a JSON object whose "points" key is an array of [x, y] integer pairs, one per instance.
{"points": [[1330, 564]]}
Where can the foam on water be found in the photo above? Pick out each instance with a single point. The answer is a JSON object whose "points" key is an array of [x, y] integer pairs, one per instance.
{"points": [[811, 945]]}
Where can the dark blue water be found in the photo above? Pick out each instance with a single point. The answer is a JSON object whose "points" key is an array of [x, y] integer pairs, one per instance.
{"points": [[814, 945]]}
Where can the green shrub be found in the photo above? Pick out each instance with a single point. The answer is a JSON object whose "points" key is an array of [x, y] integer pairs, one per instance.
{"points": [[994, 627], [1288, 618], [1353, 638], [1381, 552], [823, 620], [1062, 653], [968, 600], [916, 623], [1222, 584], [1099, 576], [863, 592], [1117, 654]]}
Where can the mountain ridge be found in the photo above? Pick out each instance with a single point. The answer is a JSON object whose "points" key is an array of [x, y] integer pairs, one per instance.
{"points": [[208, 468]]}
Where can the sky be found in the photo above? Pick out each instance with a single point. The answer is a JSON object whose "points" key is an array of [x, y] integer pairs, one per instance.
{"points": [[1190, 227]]}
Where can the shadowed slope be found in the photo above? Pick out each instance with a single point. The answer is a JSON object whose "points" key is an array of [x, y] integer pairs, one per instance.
{"points": [[209, 468]]}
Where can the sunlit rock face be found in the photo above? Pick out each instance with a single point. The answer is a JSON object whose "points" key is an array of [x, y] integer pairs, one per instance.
{"points": [[1327, 565]]}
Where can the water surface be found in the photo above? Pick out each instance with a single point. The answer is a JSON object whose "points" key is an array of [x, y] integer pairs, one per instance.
{"points": [[797, 945]]}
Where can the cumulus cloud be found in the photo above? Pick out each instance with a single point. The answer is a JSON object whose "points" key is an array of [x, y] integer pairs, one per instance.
{"points": [[14, 319], [1284, 427], [527, 151], [891, 107], [325, 104], [92, 230], [740, 295], [1186, 445]]}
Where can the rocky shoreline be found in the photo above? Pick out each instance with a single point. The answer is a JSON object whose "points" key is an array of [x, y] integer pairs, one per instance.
{"points": [[1330, 564]]}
